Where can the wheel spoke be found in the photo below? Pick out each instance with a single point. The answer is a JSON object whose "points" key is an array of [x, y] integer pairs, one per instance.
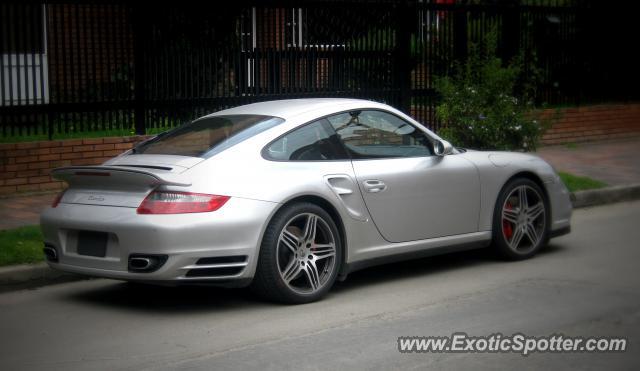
{"points": [[312, 275], [516, 238], [510, 215], [309, 234], [304, 265], [535, 211], [322, 251], [522, 197], [290, 240], [532, 233], [291, 271]]}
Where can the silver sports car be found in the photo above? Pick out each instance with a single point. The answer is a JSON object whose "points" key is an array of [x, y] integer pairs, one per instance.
{"points": [[288, 196]]}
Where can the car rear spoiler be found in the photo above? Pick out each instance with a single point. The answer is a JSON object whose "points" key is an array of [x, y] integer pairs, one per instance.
{"points": [[115, 175]]}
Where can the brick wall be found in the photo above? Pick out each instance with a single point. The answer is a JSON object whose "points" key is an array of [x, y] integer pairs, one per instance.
{"points": [[25, 167], [592, 123]]}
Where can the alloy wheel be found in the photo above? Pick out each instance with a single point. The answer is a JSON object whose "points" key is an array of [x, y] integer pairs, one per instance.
{"points": [[306, 253], [523, 219]]}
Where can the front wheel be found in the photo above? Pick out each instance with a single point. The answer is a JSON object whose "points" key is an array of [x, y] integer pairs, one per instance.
{"points": [[300, 255], [521, 220]]}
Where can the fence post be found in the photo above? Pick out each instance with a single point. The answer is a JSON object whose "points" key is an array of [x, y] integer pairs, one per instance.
{"points": [[139, 96], [510, 30], [403, 55], [460, 38]]}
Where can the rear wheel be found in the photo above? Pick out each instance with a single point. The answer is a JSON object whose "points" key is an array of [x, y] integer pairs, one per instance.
{"points": [[299, 256], [521, 220]]}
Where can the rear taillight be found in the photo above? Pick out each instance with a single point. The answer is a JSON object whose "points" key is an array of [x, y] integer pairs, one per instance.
{"points": [[167, 202], [56, 200]]}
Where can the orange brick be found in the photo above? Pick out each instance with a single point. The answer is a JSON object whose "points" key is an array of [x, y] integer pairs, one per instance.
{"points": [[62, 150], [113, 140], [40, 151], [39, 179], [79, 161], [50, 144], [39, 165], [102, 147], [25, 159], [17, 152], [71, 142], [16, 167], [16, 181], [54, 156], [124, 146], [69, 156], [112, 153], [92, 154], [83, 148], [92, 141], [27, 173], [27, 145], [7, 189], [88, 161], [7, 146], [7, 175]]}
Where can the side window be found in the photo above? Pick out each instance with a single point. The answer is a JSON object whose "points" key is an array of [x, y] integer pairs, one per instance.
{"points": [[377, 134], [312, 142]]}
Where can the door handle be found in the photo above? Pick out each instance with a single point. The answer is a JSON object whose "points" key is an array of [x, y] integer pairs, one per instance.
{"points": [[374, 186]]}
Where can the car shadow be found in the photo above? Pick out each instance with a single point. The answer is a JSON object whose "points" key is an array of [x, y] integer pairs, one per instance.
{"points": [[429, 266], [181, 299]]}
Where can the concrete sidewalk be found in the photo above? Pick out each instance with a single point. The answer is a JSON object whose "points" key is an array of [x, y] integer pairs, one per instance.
{"points": [[613, 162]]}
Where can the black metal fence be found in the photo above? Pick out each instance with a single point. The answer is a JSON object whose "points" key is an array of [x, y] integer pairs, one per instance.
{"points": [[78, 66]]}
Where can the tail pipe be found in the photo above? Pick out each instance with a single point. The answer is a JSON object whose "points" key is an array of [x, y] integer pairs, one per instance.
{"points": [[146, 263], [50, 253]]}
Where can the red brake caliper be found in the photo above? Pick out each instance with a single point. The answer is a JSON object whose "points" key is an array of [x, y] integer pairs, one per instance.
{"points": [[507, 228]]}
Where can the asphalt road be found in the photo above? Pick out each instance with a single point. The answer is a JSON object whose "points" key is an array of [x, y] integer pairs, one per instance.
{"points": [[584, 284]]}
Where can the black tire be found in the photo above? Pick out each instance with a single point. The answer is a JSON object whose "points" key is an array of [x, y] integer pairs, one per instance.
{"points": [[268, 281], [504, 232]]}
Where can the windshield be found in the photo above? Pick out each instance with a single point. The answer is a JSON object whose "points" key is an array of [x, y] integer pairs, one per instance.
{"points": [[207, 136]]}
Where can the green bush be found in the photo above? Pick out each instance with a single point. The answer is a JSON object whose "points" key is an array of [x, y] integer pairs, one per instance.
{"points": [[487, 105]]}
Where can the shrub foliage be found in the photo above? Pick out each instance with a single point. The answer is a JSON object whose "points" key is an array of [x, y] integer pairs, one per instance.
{"points": [[486, 104]]}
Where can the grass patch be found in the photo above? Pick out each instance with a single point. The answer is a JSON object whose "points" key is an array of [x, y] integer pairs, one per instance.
{"points": [[580, 183], [21, 245]]}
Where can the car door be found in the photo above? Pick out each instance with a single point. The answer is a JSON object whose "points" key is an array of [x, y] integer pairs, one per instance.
{"points": [[411, 194]]}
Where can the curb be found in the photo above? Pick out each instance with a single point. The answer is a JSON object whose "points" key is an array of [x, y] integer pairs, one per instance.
{"points": [[606, 195], [29, 276]]}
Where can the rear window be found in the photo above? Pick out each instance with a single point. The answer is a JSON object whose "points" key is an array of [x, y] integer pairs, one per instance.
{"points": [[207, 136]]}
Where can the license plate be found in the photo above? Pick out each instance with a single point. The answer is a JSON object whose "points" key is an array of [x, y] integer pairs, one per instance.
{"points": [[92, 243]]}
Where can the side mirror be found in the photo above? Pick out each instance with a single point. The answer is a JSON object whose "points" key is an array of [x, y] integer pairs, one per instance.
{"points": [[442, 148]]}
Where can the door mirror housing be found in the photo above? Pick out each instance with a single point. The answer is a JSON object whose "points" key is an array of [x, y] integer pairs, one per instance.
{"points": [[442, 148]]}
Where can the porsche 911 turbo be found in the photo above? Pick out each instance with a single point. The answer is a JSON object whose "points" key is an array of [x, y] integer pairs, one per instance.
{"points": [[289, 196]]}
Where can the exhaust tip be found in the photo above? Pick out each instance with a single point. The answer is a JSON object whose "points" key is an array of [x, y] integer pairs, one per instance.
{"points": [[50, 253], [146, 263], [139, 263]]}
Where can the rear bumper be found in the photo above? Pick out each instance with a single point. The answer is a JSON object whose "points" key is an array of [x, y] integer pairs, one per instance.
{"points": [[234, 230]]}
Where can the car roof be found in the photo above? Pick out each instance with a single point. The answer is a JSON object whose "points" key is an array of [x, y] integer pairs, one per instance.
{"points": [[288, 108]]}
